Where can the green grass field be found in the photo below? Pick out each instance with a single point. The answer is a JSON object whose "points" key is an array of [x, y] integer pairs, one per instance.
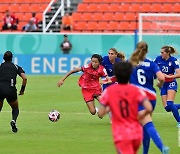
{"points": [[77, 132]]}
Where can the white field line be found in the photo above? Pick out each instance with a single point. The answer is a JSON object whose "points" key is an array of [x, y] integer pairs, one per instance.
{"points": [[43, 112]]}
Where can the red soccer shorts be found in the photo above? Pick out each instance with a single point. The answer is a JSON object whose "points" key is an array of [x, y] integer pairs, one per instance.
{"points": [[90, 94], [128, 146]]}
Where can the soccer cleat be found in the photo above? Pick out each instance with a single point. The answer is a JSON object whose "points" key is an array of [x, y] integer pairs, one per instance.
{"points": [[165, 150], [13, 125]]}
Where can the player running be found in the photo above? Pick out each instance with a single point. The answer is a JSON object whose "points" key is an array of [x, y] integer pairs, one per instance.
{"points": [[89, 81], [8, 74], [170, 67], [143, 77], [123, 99]]}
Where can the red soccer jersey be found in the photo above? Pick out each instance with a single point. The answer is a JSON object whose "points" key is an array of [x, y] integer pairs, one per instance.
{"points": [[123, 101], [90, 77]]}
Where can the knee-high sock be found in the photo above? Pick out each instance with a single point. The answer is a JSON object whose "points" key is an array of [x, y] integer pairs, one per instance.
{"points": [[146, 141], [177, 105], [174, 110], [15, 113], [149, 127]]}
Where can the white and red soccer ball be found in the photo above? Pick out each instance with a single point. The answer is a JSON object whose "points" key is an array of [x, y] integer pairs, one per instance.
{"points": [[54, 116]]}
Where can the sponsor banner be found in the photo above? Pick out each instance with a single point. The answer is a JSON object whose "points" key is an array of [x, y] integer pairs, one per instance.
{"points": [[53, 64], [50, 64]]}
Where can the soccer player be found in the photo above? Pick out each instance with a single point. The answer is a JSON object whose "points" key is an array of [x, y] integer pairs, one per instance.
{"points": [[89, 81], [123, 100], [142, 76], [170, 67], [108, 62], [8, 74]]}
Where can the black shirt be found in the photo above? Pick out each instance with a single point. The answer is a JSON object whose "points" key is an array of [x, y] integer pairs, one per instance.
{"points": [[9, 71]]}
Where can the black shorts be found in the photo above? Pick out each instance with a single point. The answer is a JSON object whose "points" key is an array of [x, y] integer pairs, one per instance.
{"points": [[8, 92]]}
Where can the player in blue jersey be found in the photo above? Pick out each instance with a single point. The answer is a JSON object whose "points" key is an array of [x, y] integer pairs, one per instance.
{"points": [[108, 63], [170, 67], [143, 77]]}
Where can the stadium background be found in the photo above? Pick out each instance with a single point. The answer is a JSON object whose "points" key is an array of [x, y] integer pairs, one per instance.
{"points": [[41, 54]]}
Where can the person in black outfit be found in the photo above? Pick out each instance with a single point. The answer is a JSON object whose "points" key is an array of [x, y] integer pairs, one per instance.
{"points": [[66, 45], [8, 74]]}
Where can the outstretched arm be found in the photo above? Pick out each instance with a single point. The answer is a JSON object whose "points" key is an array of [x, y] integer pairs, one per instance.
{"points": [[61, 81]]}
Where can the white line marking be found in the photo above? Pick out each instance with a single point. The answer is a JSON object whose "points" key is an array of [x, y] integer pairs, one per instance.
{"points": [[43, 112]]}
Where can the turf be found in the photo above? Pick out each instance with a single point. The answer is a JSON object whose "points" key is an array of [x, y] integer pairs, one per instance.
{"points": [[77, 131]]}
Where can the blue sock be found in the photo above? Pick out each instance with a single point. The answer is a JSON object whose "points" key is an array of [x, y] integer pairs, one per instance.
{"points": [[177, 105], [146, 141], [149, 127], [174, 110], [168, 109]]}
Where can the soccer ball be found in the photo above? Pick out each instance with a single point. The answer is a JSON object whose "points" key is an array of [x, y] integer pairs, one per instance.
{"points": [[54, 116]]}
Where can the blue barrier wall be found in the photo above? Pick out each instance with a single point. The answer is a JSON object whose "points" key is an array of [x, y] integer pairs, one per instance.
{"points": [[40, 53], [51, 64]]}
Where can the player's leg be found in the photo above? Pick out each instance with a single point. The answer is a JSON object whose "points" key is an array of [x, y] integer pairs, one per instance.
{"points": [[178, 106], [1, 105], [15, 112], [15, 109], [13, 102], [91, 107], [1, 97], [170, 104], [89, 99], [148, 126]]}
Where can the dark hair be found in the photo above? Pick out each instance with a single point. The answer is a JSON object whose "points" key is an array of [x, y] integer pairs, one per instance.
{"points": [[65, 35], [139, 54], [169, 49], [122, 71], [8, 56], [99, 57]]}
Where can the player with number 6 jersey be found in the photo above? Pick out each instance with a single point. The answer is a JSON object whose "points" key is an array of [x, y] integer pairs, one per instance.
{"points": [[143, 77], [170, 67]]}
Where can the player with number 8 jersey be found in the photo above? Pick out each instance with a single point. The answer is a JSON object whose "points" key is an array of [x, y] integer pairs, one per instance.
{"points": [[123, 100]]}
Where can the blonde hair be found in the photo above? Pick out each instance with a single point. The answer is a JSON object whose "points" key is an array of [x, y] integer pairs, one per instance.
{"points": [[139, 54], [121, 56], [114, 50], [169, 49]]}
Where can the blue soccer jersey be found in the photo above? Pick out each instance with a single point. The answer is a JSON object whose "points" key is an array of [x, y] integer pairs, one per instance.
{"points": [[109, 68], [143, 77], [168, 67]]}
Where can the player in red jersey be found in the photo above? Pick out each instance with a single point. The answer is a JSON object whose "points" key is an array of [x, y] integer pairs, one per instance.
{"points": [[89, 81], [123, 100]]}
